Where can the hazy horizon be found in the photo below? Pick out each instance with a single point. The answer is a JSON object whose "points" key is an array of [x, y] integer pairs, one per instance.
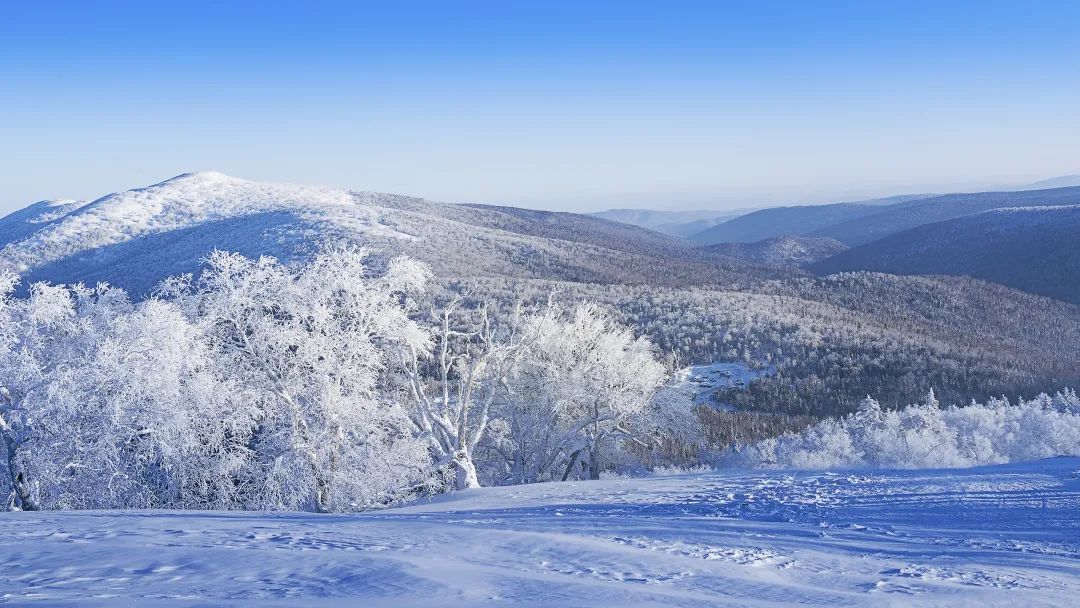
{"points": [[733, 206], [556, 106]]}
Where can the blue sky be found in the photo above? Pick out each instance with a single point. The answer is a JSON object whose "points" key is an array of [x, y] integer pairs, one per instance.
{"points": [[574, 106]]}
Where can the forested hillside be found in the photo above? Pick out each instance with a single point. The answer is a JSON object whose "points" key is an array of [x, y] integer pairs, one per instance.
{"points": [[829, 342], [790, 251], [902, 216], [1034, 249]]}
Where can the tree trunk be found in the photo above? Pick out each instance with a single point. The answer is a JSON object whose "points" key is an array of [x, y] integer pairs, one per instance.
{"points": [[20, 488], [570, 465], [464, 471], [594, 462]]}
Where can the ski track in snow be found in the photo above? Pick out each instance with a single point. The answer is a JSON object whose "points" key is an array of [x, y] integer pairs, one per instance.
{"points": [[991, 536]]}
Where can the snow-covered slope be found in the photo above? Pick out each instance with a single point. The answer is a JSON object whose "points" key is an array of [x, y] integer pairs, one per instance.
{"points": [[181, 202], [996, 536], [138, 237], [708, 384]]}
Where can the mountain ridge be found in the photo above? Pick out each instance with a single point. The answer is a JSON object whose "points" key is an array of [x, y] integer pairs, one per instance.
{"points": [[135, 237], [1034, 249]]}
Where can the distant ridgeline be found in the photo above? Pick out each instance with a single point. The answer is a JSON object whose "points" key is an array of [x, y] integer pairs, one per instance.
{"points": [[752, 289]]}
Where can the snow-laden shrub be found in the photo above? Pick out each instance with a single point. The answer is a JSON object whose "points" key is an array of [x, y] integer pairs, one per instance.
{"points": [[582, 398], [257, 388], [926, 435]]}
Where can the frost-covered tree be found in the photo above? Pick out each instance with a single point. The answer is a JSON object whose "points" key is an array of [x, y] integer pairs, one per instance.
{"points": [[454, 381], [584, 382], [23, 364], [271, 386], [109, 405], [51, 339], [306, 347]]}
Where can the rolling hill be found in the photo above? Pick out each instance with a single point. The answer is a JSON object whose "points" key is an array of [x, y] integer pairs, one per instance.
{"points": [[674, 223], [799, 220], [137, 237], [1036, 249]]}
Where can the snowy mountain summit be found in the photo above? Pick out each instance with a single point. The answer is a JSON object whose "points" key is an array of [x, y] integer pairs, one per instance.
{"points": [[135, 238], [45, 234]]}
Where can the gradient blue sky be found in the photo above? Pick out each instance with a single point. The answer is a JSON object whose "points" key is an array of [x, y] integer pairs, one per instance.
{"points": [[574, 106]]}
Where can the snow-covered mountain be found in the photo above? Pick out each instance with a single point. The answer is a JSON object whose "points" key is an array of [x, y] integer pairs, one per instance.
{"points": [[137, 237], [704, 304]]}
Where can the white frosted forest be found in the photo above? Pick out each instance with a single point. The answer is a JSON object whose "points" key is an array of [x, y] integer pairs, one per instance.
{"points": [[319, 386], [324, 386]]}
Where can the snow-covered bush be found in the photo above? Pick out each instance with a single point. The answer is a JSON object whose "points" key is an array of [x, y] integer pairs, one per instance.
{"points": [[582, 389], [305, 346], [926, 435], [258, 387]]}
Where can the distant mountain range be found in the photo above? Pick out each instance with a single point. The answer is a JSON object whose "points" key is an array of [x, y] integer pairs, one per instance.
{"points": [[751, 225], [959, 234], [797, 221], [901, 216], [675, 223], [1036, 249], [1063, 181]]}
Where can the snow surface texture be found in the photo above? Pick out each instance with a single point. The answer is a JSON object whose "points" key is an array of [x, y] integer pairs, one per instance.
{"points": [[1007, 535]]}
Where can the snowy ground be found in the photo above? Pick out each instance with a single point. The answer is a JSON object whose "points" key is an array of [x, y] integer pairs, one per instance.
{"points": [[703, 381], [1004, 535]]}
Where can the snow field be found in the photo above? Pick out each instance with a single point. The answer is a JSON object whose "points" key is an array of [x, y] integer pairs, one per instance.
{"points": [[991, 536]]}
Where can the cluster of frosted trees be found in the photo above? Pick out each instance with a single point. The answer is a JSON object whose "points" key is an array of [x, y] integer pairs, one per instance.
{"points": [[322, 387], [925, 435]]}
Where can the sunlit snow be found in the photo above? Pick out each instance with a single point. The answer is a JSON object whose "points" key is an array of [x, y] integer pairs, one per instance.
{"points": [[1007, 535]]}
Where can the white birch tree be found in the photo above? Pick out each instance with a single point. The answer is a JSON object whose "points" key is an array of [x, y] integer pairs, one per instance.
{"points": [[455, 380]]}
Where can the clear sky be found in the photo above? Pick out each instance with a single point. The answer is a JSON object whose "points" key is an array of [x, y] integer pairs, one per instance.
{"points": [[577, 106]]}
